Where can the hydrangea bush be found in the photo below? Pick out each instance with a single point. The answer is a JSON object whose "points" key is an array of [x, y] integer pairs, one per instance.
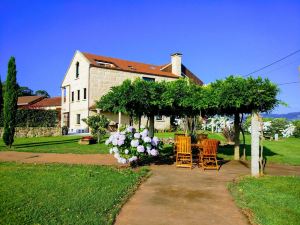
{"points": [[129, 145]]}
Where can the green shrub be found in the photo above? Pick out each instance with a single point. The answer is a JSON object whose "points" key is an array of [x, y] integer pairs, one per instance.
{"points": [[297, 128], [35, 118], [98, 123]]}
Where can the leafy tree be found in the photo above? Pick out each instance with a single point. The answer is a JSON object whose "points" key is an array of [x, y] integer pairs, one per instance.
{"points": [[278, 125], [98, 124], [296, 123], [138, 98], [1, 98], [42, 93], [10, 103], [24, 91], [115, 100], [237, 95]]}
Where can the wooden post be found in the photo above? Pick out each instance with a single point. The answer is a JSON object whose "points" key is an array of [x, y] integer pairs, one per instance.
{"points": [[255, 144], [151, 126], [119, 124], [236, 136]]}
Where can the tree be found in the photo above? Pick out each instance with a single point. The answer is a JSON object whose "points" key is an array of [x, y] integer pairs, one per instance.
{"points": [[138, 98], [42, 93], [24, 91], [10, 103], [236, 95], [115, 100], [1, 98], [98, 124]]}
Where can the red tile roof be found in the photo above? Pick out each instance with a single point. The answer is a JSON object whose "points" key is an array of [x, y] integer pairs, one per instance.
{"points": [[27, 100], [48, 102], [129, 66]]}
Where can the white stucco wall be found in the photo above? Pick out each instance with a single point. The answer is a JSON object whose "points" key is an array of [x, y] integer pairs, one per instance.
{"points": [[73, 84]]}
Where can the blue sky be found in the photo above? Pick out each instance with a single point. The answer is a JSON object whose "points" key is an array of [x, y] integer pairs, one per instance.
{"points": [[217, 38]]}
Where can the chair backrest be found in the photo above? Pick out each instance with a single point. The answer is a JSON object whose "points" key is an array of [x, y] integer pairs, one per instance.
{"points": [[177, 135], [210, 146], [201, 137], [184, 144]]}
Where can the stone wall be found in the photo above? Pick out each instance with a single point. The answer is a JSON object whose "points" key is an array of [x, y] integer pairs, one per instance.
{"points": [[35, 131]]}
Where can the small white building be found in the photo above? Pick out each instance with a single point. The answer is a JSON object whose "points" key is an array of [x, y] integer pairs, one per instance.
{"points": [[90, 76]]}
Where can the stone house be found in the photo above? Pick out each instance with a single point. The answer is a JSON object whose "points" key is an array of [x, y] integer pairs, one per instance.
{"points": [[91, 76]]}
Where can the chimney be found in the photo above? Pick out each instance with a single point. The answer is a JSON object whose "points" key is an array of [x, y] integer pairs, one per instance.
{"points": [[176, 63]]}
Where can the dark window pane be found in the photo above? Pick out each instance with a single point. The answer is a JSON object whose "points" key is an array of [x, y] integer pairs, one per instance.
{"points": [[148, 79]]}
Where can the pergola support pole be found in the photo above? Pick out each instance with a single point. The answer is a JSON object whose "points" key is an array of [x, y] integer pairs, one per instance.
{"points": [[255, 124]]}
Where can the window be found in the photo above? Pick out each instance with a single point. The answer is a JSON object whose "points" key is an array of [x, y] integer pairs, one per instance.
{"points": [[105, 64], [77, 69], [78, 95], [64, 94], [148, 79], [84, 93], [77, 118], [158, 117], [72, 96]]}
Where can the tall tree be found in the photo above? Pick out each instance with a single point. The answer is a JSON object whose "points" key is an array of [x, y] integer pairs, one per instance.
{"points": [[236, 95], [10, 103], [1, 98]]}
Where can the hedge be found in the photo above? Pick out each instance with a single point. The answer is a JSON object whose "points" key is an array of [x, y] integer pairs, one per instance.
{"points": [[35, 118]]}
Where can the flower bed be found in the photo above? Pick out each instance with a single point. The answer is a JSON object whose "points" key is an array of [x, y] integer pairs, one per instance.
{"points": [[128, 146]]}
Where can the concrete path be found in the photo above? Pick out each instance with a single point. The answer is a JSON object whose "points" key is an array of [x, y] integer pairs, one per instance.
{"points": [[183, 196], [28, 157]]}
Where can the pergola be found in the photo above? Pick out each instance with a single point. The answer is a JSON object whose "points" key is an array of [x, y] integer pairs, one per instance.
{"points": [[233, 96]]}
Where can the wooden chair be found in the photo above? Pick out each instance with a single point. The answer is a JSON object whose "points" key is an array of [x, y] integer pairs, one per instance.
{"points": [[184, 152], [201, 137], [208, 156], [176, 140]]}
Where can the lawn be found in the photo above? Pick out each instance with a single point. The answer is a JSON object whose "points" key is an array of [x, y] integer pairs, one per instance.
{"points": [[63, 194], [60, 144], [284, 151], [269, 200]]}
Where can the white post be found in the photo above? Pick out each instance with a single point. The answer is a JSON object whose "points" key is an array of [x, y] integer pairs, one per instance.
{"points": [[255, 144], [119, 124], [63, 106]]}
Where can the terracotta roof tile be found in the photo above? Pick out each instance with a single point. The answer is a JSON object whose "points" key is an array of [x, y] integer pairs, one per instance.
{"points": [[129, 66], [27, 100], [48, 102]]}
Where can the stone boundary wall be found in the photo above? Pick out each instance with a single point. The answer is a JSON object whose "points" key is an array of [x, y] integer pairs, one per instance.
{"points": [[35, 131]]}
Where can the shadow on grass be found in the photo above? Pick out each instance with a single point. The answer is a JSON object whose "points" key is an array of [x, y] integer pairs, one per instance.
{"points": [[167, 155], [44, 143], [229, 150]]}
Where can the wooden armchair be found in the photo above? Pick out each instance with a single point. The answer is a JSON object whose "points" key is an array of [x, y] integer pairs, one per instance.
{"points": [[176, 140], [184, 152], [208, 156]]}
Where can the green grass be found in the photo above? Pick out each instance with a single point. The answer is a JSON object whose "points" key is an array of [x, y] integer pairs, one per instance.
{"points": [[60, 144], [284, 151], [63, 194], [269, 200]]}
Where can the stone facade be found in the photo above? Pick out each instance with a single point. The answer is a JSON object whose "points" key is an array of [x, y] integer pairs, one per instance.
{"points": [[35, 131]]}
